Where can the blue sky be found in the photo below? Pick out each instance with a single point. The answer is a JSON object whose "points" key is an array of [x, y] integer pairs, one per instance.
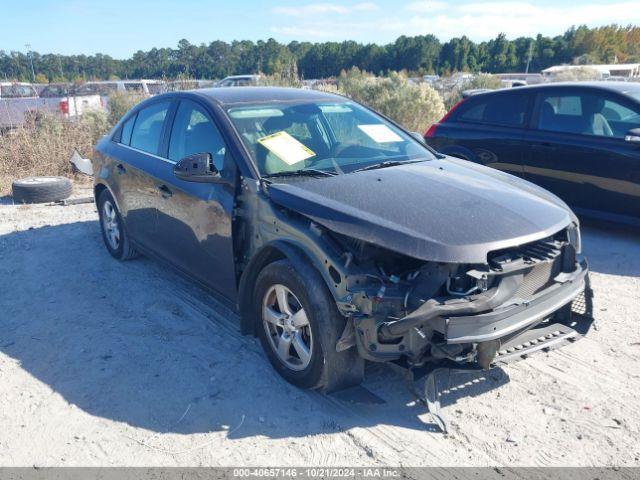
{"points": [[121, 27]]}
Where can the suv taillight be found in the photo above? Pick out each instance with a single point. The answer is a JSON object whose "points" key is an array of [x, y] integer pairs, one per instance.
{"points": [[64, 107], [432, 129]]}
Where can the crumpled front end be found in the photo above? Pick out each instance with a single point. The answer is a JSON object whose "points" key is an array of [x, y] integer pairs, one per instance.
{"points": [[518, 302]]}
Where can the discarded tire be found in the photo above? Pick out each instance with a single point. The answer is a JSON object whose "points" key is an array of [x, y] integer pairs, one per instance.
{"points": [[41, 189]]}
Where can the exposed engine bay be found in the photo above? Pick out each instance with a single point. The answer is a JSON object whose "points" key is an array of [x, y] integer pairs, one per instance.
{"points": [[417, 312]]}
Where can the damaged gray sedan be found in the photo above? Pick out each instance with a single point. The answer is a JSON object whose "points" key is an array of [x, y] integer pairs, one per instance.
{"points": [[338, 236]]}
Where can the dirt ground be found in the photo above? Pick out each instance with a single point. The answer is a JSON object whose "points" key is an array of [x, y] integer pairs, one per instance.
{"points": [[105, 363]]}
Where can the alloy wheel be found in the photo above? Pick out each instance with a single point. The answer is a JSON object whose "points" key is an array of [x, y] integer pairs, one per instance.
{"points": [[287, 327], [110, 225]]}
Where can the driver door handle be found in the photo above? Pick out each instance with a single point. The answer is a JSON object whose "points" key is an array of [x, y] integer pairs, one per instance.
{"points": [[165, 191]]}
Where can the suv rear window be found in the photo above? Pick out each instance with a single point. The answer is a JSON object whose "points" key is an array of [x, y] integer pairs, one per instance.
{"points": [[133, 87], [508, 110]]}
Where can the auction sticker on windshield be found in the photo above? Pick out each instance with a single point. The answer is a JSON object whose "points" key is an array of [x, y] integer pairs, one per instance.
{"points": [[380, 133], [286, 148]]}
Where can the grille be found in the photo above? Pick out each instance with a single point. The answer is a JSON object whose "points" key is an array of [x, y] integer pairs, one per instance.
{"points": [[538, 277], [545, 257], [580, 305]]}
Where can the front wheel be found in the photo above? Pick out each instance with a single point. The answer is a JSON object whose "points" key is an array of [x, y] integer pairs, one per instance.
{"points": [[299, 326]]}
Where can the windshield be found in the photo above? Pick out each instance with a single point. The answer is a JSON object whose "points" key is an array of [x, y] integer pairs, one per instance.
{"points": [[337, 137]]}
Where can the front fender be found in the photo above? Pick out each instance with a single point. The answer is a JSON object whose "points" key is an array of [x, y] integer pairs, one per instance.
{"points": [[279, 249]]}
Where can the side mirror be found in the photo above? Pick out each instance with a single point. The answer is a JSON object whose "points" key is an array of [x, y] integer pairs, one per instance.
{"points": [[633, 136], [197, 167]]}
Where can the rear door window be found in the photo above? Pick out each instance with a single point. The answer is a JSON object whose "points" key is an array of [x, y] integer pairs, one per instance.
{"points": [[586, 114], [147, 129], [127, 128], [506, 110]]}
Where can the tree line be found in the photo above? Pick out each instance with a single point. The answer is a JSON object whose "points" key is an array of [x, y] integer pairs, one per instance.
{"points": [[422, 54]]}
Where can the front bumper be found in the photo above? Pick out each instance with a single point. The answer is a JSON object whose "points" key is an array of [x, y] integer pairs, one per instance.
{"points": [[507, 321]]}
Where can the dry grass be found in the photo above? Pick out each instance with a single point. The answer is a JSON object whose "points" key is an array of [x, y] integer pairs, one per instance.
{"points": [[44, 147], [121, 102]]}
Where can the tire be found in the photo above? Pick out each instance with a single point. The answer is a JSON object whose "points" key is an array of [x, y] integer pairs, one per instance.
{"points": [[41, 189], [326, 369], [112, 226]]}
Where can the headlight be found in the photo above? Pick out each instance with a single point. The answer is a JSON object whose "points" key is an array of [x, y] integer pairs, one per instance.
{"points": [[573, 232]]}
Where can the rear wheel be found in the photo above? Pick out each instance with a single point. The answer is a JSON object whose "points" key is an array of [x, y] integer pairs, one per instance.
{"points": [[299, 326], [113, 232]]}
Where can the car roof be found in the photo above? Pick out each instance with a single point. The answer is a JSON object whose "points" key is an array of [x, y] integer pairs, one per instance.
{"points": [[618, 87], [248, 75], [112, 82], [240, 95]]}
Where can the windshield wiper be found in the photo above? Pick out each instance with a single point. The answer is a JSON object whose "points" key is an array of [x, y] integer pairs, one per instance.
{"points": [[309, 172], [387, 163]]}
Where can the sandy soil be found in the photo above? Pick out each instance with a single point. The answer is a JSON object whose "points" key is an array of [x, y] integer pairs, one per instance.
{"points": [[107, 363]]}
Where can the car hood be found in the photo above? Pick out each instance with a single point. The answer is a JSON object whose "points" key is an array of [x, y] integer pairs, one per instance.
{"points": [[445, 210]]}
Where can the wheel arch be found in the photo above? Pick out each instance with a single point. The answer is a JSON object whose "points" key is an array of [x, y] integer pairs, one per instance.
{"points": [[459, 151], [269, 253], [100, 187]]}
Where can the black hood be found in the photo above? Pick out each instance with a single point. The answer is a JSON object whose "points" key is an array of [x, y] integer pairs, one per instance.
{"points": [[445, 210]]}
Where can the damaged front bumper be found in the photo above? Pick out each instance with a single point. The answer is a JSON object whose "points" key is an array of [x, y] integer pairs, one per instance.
{"points": [[497, 325], [506, 320]]}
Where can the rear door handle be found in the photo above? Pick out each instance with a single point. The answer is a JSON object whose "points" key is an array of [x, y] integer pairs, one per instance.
{"points": [[165, 191], [121, 169]]}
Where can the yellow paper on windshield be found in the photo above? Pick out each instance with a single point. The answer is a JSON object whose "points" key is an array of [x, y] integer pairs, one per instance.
{"points": [[380, 133], [286, 148]]}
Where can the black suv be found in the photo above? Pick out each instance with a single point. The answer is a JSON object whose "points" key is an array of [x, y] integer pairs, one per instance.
{"points": [[581, 141]]}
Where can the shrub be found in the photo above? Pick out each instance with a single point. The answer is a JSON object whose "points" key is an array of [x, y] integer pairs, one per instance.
{"points": [[484, 80], [453, 94], [279, 80], [577, 74], [414, 105], [43, 147], [121, 102]]}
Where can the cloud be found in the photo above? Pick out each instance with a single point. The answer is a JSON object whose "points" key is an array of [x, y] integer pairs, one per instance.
{"points": [[484, 20], [476, 19], [427, 6], [314, 9]]}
